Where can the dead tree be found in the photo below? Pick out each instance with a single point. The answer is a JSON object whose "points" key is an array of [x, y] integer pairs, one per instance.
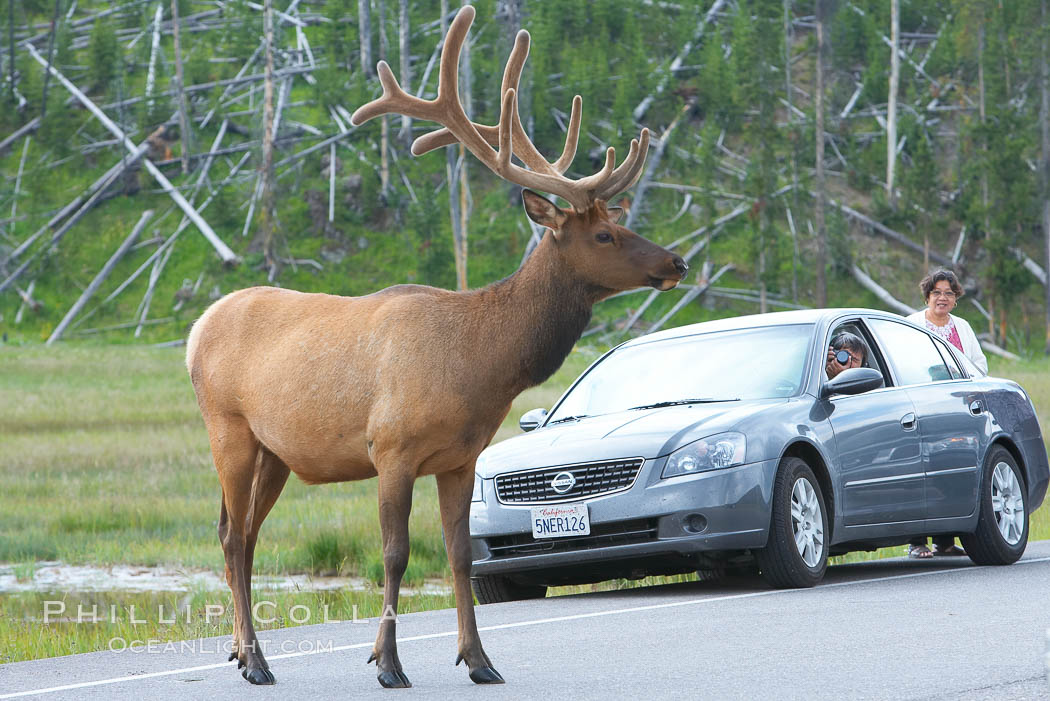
{"points": [[821, 188], [96, 283], [50, 57], [227, 255], [364, 30], [184, 121], [643, 106], [267, 229], [891, 110], [1044, 156], [405, 50]]}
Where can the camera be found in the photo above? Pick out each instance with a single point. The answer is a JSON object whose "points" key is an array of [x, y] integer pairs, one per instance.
{"points": [[843, 357]]}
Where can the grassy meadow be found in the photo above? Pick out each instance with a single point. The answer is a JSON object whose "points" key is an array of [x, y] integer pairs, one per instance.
{"points": [[104, 460]]}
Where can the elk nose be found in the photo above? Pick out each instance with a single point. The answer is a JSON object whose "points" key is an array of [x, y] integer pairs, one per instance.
{"points": [[679, 264]]}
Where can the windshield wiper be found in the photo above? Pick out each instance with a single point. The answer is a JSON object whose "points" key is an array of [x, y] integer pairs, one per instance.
{"points": [[567, 418], [679, 402]]}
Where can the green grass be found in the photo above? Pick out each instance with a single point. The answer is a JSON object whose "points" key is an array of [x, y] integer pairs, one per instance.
{"points": [[105, 460]]}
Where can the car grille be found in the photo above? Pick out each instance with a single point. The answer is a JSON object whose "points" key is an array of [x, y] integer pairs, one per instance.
{"points": [[591, 479], [641, 530]]}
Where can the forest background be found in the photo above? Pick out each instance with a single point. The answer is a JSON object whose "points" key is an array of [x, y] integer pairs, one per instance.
{"points": [[795, 163], [736, 92]]}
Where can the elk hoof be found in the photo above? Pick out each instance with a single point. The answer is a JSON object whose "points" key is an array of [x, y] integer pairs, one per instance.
{"points": [[394, 679], [258, 675], [486, 675]]}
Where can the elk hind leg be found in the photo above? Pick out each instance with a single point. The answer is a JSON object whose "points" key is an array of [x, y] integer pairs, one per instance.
{"points": [[240, 465], [454, 490], [395, 504]]}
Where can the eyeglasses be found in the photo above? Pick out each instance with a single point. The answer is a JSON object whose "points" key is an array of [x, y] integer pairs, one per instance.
{"points": [[939, 293]]}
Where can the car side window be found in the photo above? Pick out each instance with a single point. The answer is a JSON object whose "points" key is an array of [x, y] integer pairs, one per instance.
{"points": [[871, 359], [950, 360], [912, 353]]}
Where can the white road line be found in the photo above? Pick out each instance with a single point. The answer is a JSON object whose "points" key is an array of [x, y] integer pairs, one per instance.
{"points": [[519, 624]]}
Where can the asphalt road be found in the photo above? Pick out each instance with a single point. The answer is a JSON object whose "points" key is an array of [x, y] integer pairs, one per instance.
{"points": [[892, 629]]}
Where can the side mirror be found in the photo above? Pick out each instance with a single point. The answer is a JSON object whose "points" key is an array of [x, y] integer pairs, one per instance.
{"points": [[853, 381], [532, 419]]}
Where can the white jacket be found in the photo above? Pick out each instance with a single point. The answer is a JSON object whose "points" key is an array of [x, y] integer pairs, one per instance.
{"points": [[971, 346]]}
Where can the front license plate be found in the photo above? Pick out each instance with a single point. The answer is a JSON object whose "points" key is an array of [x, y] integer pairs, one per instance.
{"points": [[560, 521]]}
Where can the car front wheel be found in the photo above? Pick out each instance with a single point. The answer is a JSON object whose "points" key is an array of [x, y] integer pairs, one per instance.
{"points": [[494, 589], [1002, 526], [796, 554]]}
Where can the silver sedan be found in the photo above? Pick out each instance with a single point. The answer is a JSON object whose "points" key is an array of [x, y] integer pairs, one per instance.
{"points": [[739, 445]]}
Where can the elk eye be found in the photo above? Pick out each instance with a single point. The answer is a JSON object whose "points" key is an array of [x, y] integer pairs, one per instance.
{"points": [[604, 237]]}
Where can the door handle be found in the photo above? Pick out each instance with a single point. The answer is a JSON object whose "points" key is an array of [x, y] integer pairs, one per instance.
{"points": [[976, 407], [908, 422]]}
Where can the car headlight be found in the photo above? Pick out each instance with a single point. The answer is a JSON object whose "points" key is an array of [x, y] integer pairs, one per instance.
{"points": [[476, 494], [711, 453]]}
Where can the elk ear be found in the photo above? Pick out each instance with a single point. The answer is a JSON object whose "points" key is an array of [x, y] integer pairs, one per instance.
{"points": [[615, 214], [543, 211]]}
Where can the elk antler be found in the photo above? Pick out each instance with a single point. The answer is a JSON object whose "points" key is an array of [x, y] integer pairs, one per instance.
{"points": [[508, 136]]}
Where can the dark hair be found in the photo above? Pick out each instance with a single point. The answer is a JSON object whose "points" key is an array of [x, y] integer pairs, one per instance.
{"points": [[850, 341], [930, 281]]}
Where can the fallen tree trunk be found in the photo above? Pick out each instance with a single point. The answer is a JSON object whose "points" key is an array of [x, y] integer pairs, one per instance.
{"points": [[643, 106], [108, 177], [887, 231], [76, 216], [27, 128], [652, 164], [27, 301], [889, 300], [96, 283], [227, 255]]}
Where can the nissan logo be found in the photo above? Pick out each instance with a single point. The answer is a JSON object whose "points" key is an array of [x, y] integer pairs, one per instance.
{"points": [[563, 482]]}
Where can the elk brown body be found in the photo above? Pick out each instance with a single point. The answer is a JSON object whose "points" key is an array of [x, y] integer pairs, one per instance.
{"points": [[406, 382]]}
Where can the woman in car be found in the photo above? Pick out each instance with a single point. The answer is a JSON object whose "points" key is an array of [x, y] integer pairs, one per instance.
{"points": [[941, 290]]}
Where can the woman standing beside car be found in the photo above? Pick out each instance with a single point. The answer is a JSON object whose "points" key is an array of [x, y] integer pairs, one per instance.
{"points": [[941, 290]]}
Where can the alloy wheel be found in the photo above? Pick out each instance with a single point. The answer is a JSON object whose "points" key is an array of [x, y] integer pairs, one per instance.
{"points": [[1007, 503], [807, 522]]}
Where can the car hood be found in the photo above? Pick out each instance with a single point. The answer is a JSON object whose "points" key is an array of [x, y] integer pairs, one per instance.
{"points": [[646, 433]]}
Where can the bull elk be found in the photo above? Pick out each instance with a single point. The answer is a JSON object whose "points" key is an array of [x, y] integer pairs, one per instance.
{"points": [[410, 380]]}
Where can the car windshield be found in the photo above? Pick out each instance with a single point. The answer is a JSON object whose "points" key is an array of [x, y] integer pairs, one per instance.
{"points": [[724, 366]]}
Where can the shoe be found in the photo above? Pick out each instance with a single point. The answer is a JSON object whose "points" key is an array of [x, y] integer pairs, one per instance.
{"points": [[950, 551], [919, 552]]}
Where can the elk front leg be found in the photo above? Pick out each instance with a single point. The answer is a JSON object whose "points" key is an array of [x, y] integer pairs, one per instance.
{"points": [[395, 503], [454, 490]]}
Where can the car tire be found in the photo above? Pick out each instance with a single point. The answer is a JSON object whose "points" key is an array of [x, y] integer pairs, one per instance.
{"points": [[494, 589], [1002, 524], [787, 561]]}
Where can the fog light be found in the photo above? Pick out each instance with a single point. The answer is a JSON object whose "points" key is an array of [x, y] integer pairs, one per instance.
{"points": [[695, 523]]}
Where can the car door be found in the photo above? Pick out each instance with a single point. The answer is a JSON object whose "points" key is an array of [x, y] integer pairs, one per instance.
{"points": [[877, 448], [950, 416]]}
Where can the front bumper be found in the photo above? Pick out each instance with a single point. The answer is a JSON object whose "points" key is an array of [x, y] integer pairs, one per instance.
{"points": [[656, 522]]}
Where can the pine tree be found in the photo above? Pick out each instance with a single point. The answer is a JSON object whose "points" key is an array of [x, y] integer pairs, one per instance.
{"points": [[104, 52]]}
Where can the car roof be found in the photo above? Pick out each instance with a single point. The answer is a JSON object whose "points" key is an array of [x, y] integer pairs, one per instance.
{"points": [[751, 321]]}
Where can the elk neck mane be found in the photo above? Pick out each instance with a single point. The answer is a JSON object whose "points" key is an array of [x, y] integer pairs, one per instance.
{"points": [[537, 313]]}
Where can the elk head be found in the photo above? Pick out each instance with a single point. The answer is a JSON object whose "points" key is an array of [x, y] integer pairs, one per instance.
{"points": [[600, 251], [604, 254]]}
